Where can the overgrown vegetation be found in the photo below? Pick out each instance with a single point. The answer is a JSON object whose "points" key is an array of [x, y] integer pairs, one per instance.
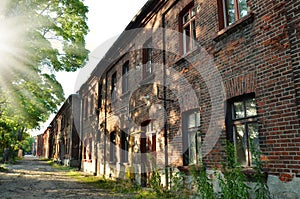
{"points": [[229, 183], [261, 189], [233, 181], [203, 184]]}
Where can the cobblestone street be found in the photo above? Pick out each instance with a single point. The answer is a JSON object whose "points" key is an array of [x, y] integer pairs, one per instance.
{"points": [[32, 178]]}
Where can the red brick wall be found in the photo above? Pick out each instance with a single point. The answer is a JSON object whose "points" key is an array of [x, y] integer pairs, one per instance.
{"points": [[259, 54]]}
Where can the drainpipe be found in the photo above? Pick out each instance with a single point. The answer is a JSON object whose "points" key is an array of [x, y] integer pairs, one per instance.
{"points": [[165, 94], [105, 125], [165, 105], [80, 131]]}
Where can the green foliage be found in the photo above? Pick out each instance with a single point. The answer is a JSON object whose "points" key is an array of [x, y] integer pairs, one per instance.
{"points": [[155, 182], [177, 183], [233, 181], [39, 38], [27, 144], [261, 189], [203, 184]]}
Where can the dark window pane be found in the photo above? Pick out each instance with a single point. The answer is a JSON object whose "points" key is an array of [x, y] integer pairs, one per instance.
{"points": [[191, 121], [199, 152], [186, 18], [243, 9], [186, 38], [240, 144], [147, 58], [193, 11], [253, 137], [251, 107], [238, 110], [197, 115], [194, 33], [112, 151], [231, 11], [192, 147], [114, 86]]}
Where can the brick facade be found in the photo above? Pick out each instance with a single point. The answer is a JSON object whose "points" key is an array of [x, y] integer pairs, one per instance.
{"points": [[61, 139], [256, 56]]}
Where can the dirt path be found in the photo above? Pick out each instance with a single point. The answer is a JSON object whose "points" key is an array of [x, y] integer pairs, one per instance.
{"points": [[32, 178]]}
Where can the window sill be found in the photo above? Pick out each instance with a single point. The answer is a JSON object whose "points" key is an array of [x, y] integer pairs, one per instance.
{"points": [[124, 163], [125, 94], [147, 79], [183, 59], [251, 174], [234, 27], [189, 168]]}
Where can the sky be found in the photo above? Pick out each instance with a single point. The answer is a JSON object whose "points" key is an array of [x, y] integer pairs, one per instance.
{"points": [[106, 20]]}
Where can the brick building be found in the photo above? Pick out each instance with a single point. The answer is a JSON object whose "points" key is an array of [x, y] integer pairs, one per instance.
{"points": [[63, 133], [185, 77]]}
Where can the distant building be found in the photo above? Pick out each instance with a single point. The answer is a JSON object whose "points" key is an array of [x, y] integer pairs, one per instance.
{"points": [[64, 142]]}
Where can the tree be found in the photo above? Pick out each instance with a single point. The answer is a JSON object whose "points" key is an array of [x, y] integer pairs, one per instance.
{"points": [[38, 38]]}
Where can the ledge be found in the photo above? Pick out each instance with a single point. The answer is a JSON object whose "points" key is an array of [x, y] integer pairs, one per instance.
{"points": [[147, 79], [234, 27], [124, 95]]}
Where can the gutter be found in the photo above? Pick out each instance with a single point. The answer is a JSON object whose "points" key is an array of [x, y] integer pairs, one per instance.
{"points": [[165, 93]]}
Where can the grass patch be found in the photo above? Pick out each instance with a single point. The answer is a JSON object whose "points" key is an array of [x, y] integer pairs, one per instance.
{"points": [[116, 186], [60, 167], [44, 159], [113, 186]]}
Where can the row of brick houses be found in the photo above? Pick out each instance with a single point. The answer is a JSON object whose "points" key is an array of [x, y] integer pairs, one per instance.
{"points": [[61, 141], [183, 78]]}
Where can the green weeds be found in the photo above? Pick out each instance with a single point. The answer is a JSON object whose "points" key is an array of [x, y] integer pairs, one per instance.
{"points": [[229, 183]]}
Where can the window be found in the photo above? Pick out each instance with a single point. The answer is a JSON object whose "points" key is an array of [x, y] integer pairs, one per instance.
{"points": [[99, 96], [68, 146], [125, 77], [114, 86], [191, 137], [147, 59], [91, 104], [90, 148], [242, 127], [231, 10], [149, 128], [86, 109], [124, 146], [112, 147], [188, 28]]}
